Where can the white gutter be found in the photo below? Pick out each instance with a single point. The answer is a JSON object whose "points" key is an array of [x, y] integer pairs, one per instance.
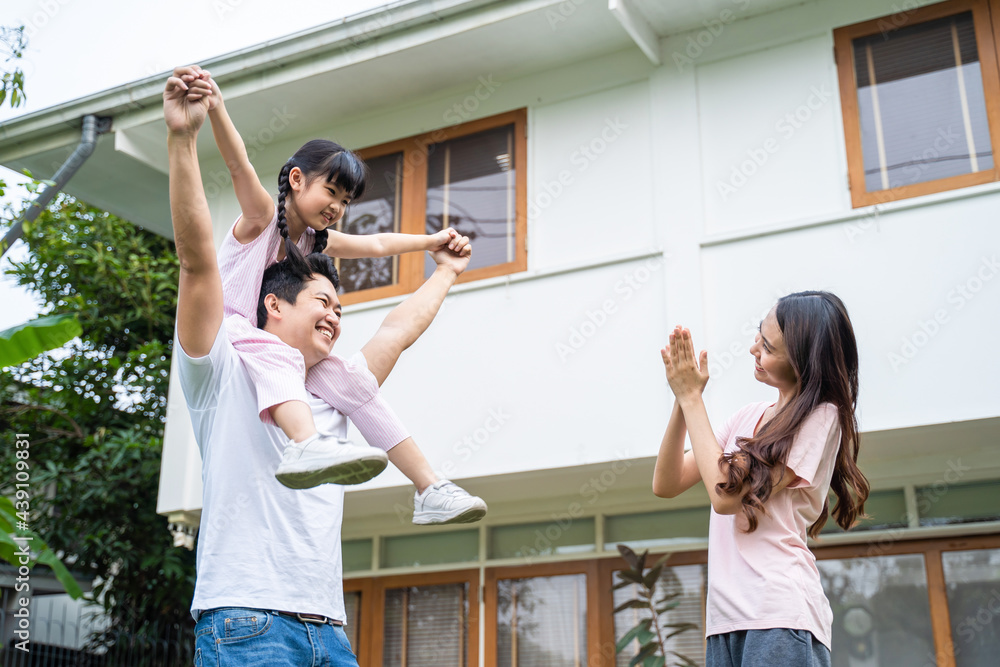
{"points": [[350, 40], [637, 27]]}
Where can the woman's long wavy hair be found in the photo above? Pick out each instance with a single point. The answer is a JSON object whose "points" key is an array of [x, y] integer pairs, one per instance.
{"points": [[823, 352], [319, 158]]}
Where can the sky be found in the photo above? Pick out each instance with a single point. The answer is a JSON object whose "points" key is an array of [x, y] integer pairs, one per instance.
{"points": [[80, 47]]}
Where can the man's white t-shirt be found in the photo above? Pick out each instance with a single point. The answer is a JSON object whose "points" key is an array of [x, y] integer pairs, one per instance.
{"points": [[261, 545]]}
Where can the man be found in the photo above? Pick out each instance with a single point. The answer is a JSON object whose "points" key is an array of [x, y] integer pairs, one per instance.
{"points": [[269, 588]]}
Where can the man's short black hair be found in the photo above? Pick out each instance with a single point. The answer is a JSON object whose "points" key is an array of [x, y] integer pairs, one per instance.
{"points": [[285, 282]]}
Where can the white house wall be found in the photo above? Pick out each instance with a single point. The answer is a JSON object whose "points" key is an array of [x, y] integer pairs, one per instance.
{"points": [[559, 367]]}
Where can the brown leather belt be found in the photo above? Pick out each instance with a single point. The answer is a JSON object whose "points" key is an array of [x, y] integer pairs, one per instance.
{"points": [[309, 618]]}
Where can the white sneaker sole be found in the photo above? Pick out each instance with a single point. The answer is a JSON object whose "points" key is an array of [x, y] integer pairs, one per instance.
{"points": [[356, 471], [470, 515]]}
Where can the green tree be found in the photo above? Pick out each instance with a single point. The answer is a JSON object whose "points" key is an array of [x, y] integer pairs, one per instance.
{"points": [[13, 42], [95, 411]]}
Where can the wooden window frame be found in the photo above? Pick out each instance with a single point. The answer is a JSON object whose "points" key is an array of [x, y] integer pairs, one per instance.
{"points": [[986, 22], [597, 597], [413, 201], [931, 549], [600, 597], [372, 618], [365, 631]]}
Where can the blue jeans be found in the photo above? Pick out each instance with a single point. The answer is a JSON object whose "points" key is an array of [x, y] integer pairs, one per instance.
{"points": [[237, 637]]}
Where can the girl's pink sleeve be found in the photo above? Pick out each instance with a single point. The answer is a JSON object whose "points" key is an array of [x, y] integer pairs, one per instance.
{"points": [[242, 265]]}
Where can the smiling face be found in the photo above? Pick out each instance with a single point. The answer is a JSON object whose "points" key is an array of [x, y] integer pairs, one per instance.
{"points": [[316, 202], [311, 324], [771, 365]]}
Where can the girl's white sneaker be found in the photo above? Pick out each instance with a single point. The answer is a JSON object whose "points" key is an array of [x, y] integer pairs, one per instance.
{"points": [[327, 460], [446, 502]]}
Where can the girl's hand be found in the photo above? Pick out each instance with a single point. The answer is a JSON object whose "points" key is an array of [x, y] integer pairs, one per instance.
{"points": [[186, 100], [686, 375], [215, 99], [449, 238]]}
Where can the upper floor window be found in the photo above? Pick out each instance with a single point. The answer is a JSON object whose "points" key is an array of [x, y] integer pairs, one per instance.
{"points": [[921, 100], [470, 177]]}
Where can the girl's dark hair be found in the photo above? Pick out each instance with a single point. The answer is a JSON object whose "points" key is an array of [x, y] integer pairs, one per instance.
{"points": [[285, 281], [319, 158], [823, 353]]}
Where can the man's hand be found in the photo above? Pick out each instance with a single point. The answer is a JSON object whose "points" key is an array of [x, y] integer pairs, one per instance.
{"points": [[407, 321], [186, 100], [456, 260]]}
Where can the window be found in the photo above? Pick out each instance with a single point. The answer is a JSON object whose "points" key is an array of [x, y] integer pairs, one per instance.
{"points": [[426, 626], [414, 620], [881, 608], [973, 585], [471, 177], [885, 510], [895, 601], [527, 540], [456, 546], [921, 100], [688, 584], [543, 615]]}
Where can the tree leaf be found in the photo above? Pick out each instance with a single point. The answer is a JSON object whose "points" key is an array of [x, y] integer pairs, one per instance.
{"points": [[27, 341], [649, 580], [629, 556], [631, 604], [644, 652], [627, 638], [630, 576], [49, 558]]}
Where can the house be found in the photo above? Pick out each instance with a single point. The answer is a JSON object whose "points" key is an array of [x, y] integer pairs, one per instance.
{"points": [[625, 166]]}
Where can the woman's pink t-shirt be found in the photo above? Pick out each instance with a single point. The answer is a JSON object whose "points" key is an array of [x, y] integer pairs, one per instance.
{"points": [[768, 578]]}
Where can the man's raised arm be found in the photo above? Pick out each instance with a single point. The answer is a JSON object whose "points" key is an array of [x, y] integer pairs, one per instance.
{"points": [[199, 295], [407, 321]]}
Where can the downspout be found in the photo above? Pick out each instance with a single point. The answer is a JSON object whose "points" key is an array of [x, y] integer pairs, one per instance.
{"points": [[92, 127]]}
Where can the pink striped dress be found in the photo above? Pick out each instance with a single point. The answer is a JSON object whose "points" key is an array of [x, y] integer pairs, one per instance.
{"points": [[276, 369]]}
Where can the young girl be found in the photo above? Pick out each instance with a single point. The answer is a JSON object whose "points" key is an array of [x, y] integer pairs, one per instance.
{"points": [[768, 471], [315, 187]]}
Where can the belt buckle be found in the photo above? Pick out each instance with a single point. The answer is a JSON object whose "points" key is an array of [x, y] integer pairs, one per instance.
{"points": [[312, 618]]}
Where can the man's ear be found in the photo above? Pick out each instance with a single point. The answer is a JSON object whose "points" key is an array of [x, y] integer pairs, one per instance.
{"points": [[273, 306]]}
